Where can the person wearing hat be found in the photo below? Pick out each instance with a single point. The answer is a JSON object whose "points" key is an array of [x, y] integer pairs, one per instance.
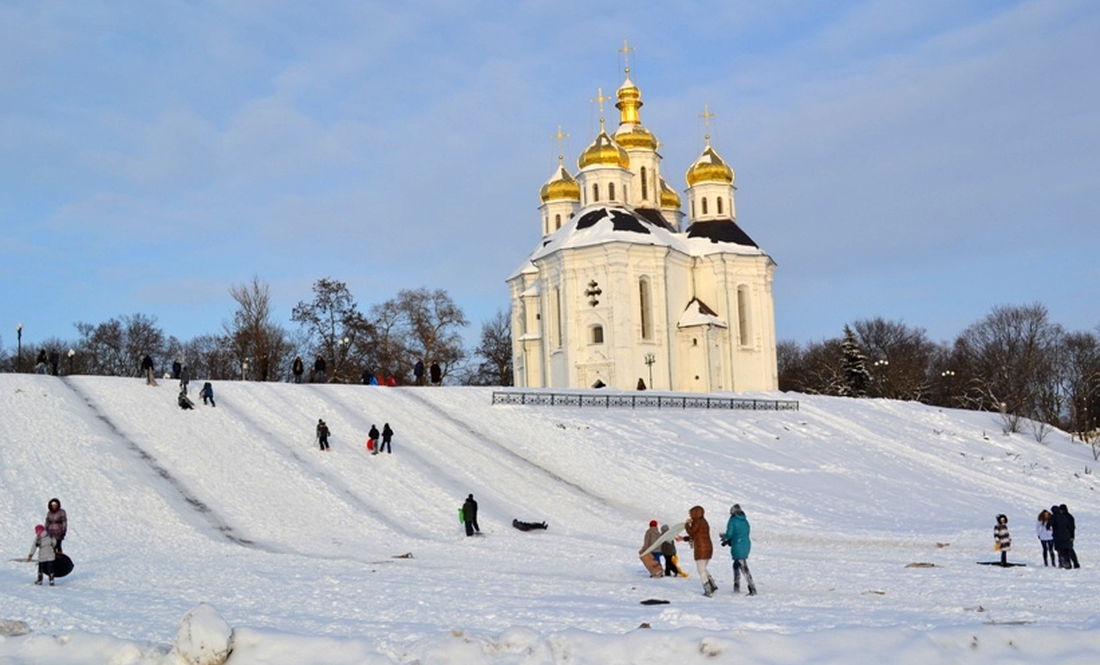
{"points": [[698, 534], [45, 544], [651, 536], [57, 522], [1002, 540], [737, 537]]}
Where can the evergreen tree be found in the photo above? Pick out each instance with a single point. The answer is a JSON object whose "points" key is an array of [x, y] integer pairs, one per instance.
{"points": [[854, 364]]}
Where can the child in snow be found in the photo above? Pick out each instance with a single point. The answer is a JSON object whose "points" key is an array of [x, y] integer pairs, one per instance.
{"points": [[668, 549], [45, 544], [207, 394], [185, 402], [1002, 541]]}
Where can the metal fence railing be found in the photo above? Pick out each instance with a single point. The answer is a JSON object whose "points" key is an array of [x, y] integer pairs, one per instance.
{"points": [[640, 400]]}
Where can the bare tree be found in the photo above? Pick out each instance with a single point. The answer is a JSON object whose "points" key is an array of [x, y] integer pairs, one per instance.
{"points": [[494, 353], [254, 338], [116, 347], [335, 328], [899, 357], [431, 321], [1008, 354]]}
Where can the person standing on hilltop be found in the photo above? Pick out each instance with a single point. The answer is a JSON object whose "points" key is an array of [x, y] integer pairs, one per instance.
{"points": [[297, 368]]}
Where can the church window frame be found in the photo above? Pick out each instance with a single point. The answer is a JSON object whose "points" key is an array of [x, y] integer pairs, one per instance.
{"points": [[744, 318], [645, 308], [557, 222], [595, 192], [610, 191], [704, 205], [595, 335], [719, 205], [645, 185]]}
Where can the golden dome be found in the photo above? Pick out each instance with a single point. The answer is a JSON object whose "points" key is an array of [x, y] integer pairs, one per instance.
{"points": [[604, 151], [669, 198], [635, 136], [560, 187], [709, 168]]}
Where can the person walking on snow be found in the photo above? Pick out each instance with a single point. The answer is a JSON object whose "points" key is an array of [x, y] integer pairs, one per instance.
{"points": [[373, 434], [387, 435], [57, 522], [1070, 551], [322, 434], [1046, 537], [185, 378], [469, 516], [698, 534], [737, 537], [1002, 541], [46, 546]]}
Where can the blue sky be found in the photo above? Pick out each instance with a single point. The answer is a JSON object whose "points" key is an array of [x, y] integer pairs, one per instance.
{"points": [[919, 161]]}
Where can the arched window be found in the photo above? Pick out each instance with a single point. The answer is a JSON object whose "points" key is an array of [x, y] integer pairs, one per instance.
{"points": [[595, 192], [719, 205], [645, 308], [745, 335], [693, 208], [597, 334], [557, 222], [610, 191], [645, 185], [704, 205]]}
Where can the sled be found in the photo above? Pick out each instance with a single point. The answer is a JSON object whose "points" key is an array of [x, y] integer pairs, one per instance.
{"points": [[671, 534], [651, 564], [998, 563], [62, 565], [370, 444]]}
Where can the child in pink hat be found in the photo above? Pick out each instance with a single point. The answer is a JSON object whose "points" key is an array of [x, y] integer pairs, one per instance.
{"points": [[45, 544]]}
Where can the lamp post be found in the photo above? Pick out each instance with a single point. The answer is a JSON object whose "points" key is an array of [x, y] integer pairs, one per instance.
{"points": [[649, 360], [71, 354], [19, 357], [948, 376], [883, 364]]}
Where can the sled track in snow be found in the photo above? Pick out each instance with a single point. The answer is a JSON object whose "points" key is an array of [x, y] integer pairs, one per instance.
{"points": [[347, 492], [207, 513], [490, 440]]}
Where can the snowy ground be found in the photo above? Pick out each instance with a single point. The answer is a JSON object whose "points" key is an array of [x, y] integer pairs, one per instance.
{"points": [[298, 550]]}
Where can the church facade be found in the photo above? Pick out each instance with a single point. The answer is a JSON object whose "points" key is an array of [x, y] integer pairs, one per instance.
{"points": [[626, 290]]}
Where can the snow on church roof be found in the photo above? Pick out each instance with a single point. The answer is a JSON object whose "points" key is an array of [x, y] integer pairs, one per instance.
{"points": [[698, 314]]}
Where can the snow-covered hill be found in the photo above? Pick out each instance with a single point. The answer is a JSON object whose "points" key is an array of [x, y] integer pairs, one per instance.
{"points": [[300, 549]]}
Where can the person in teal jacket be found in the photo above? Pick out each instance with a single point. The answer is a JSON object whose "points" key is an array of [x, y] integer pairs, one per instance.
{"points": [[737, 537]]}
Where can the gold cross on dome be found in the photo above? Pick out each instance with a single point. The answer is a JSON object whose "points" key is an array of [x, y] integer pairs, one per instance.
{"points": [[560, 136], [600, 98], [707, 115], [625, 50]]}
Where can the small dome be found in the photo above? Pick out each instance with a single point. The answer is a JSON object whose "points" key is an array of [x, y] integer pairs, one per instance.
{"points": [[604, 151], [635, 136], [709, 168], [560, 187], [669, 198]]}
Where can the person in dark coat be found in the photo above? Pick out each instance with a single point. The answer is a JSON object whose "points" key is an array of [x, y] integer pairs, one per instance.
{"points": [[366, 376], [698, 534], [668, 550], [1061, 526], [176, 367], [737, 537], [55, 358], [297, 368], [1072, 536], [322, 434], [40, 363], [265, 366], [436, 374], [185, 378], [418, 372], [469, 516], [387, 435], [374, 435], [147, 370], [184, 401], [207, 394], [319, 369], [57, 522]]}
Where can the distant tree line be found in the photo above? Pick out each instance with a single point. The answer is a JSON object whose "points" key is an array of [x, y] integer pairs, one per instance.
{"points": [[387, 340], [1014, 361]]}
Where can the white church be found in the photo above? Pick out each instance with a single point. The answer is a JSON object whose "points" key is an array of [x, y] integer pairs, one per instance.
{"points": [[624, 290]]}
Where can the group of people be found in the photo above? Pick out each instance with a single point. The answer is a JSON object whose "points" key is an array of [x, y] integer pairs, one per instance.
{"points": [[697, 534], [377, 442], [47, 540], [1056, 529], [47, 362]]}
